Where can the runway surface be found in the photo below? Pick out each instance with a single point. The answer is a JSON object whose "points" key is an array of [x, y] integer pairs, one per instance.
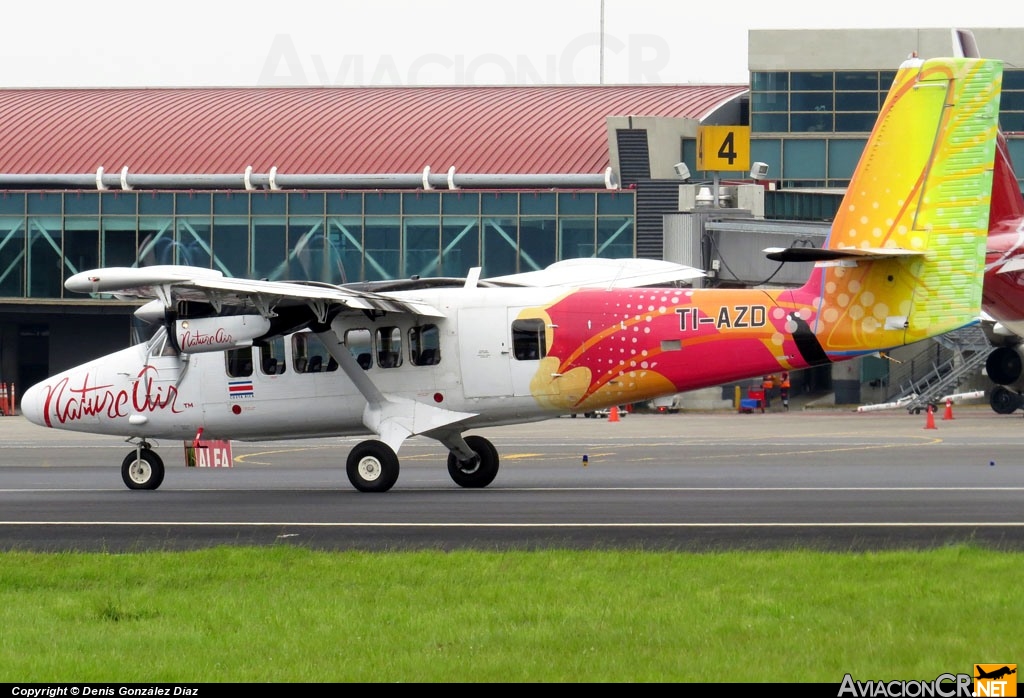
{"points": [[831, 480]]}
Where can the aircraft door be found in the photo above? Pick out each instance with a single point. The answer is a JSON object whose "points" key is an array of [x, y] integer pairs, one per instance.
{"points": [[484, 352], [529, 346], [160, 378]]}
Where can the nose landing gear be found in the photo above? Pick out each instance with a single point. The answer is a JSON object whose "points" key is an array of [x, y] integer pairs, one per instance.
{"points": [[142, 469]]}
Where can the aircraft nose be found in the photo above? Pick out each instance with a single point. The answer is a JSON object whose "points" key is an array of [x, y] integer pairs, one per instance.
{"points": [[32, 405]]}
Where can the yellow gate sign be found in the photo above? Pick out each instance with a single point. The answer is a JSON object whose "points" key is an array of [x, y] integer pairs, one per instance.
{"points": [[723, 148]]}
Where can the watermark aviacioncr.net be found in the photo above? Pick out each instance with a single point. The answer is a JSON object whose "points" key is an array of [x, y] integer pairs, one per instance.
{"points": [[987, 681], [645, 57]]}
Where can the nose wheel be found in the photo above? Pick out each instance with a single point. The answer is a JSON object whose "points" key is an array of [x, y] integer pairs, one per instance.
{"points": [[142, 469]]}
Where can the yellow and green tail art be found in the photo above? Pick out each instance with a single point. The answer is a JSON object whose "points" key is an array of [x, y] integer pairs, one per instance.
{"points": [[923, 186]]}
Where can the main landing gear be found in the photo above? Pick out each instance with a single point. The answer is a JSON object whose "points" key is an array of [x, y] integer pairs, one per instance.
{"points": [[478, 471], [372, 465], [1005, 401]]}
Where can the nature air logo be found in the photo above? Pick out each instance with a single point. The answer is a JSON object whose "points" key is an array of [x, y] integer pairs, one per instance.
{"points": [[987, 681], [995, 680]]}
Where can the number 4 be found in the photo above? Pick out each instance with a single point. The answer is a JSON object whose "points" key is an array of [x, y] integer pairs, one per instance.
{"points": [[727, 151]]}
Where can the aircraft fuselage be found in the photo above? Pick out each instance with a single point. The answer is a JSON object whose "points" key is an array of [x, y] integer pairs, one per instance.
{"points": [[502, 355], [1003, 294]]}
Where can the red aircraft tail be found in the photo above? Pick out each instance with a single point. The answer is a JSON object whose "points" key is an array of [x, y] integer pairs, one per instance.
{"points": [[1007, 202]]}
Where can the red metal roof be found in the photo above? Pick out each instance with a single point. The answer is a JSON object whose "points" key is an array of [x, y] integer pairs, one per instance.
{"points": [[331, 130]]}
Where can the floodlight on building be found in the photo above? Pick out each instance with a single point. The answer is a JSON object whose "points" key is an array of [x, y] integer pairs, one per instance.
{"points": [[759, 170], [682, 171]]}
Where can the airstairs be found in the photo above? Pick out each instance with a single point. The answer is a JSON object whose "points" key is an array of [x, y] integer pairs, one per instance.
{"points": [[928, 380]]}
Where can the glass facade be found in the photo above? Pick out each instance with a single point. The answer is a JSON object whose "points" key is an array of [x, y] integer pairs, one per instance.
{"points": [[330, 236], [811, 126], [817, 101]]}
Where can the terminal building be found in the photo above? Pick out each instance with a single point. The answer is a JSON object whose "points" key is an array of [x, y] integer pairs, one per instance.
{"points": [[371, 183]]}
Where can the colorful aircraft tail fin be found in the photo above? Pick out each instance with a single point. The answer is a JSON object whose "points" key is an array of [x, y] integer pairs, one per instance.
{"points": [[906, 253]]}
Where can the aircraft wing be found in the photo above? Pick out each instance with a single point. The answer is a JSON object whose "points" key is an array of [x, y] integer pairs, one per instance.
{"points": [[171, 283], [597, 272]]}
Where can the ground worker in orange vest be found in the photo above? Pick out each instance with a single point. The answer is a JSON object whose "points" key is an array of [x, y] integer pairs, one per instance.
{"points": [[767, 385], [784, 389]]}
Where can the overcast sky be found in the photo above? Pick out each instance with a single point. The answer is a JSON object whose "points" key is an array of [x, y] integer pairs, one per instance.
{"points": [[406, 42]]}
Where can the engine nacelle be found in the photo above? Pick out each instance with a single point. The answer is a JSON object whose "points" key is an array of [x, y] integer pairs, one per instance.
{"points": [[196, 335], [1005, 366]]}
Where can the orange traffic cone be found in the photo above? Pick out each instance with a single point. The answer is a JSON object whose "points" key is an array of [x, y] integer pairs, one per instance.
{"points": [[949, 409], [930, 421], [613, 414]]}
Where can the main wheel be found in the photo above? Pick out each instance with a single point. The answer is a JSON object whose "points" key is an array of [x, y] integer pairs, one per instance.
{"points": [[142, 470], [372, 466], [479, 472], [1003, 400]]}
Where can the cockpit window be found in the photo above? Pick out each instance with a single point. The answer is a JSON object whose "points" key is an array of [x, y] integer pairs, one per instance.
{"points": [[160, 345]]}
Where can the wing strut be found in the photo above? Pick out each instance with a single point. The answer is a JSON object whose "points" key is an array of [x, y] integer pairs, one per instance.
{"points": [[392, 418]]}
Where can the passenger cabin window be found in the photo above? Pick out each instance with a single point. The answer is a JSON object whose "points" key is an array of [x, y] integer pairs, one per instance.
{"points": [[239, 362], [424, 345], [360, 343], [309, 355], [300, 361], [528, 341], [389, 347], [272, 360]]}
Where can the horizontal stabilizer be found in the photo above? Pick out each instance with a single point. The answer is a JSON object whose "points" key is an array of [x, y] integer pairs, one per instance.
{"points": [[813, 254]]}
